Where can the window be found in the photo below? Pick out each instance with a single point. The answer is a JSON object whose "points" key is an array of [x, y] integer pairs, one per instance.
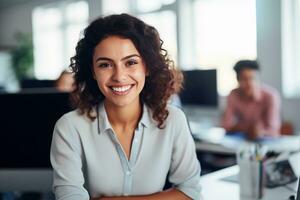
{"points": [[158, 13], [56, 30], [153, 5], [291, 48], [115, 7], [225, 32], [200, 34], [165, 23]]}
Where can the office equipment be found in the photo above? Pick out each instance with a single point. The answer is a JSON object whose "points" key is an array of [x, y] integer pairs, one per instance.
{"points": [[34, 83], [250, 158], [200, 88], [279, 173], [27, 122], [213, 182], [279, 170]]}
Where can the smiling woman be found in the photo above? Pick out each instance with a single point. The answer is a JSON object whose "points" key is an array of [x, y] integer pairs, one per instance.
{"points": [[123, 141], [119, 71]]}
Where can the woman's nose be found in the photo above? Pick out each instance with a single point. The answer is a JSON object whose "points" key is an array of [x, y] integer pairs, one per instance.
{"points": [[119, 73]]}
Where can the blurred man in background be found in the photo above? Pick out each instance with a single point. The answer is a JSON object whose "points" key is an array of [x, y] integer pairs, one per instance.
{"points": [[253, 108]]}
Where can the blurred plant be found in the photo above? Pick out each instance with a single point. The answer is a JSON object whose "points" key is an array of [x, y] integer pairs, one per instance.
{"points": [[22, 56]]}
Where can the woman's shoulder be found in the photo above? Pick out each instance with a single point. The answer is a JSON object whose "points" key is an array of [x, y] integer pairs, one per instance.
{"points": [[175, 114], [175, 117], [176, 123], [73, 117]]}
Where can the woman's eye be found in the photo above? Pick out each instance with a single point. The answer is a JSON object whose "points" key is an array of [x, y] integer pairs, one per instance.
{"points": [[131, 62], [104, 65]]}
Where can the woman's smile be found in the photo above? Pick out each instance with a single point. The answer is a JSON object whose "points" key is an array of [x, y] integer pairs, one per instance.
{"points": [[121, 89]]}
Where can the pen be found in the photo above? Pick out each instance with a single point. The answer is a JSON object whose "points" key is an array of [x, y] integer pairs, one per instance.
{"points": [[260, 179]]}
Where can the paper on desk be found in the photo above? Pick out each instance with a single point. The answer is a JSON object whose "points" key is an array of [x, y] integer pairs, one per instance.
{"points": [[207, 133], [283, 143]]}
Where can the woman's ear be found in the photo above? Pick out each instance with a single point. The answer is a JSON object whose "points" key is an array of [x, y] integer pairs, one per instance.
{"points": [[147, 69], [147, 72]]}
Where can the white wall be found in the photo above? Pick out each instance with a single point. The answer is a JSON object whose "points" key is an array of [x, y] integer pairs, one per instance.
{"points": [[16, 19], [269, 54]]}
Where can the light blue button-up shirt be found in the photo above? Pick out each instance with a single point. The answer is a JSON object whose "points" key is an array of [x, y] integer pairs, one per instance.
{"points": [[89, 161]]}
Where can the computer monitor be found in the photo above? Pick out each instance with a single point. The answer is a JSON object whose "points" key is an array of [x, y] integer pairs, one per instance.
{"points": [[27, 122], [35, 83], [200, 88]]}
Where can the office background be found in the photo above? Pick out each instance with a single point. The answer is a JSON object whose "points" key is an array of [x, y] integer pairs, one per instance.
{"points": [[16, 16], [267, 29]]}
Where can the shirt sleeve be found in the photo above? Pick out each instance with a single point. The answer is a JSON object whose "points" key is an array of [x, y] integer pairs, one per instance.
{"points": [[66, 160], [185, 168], [272, 118]]}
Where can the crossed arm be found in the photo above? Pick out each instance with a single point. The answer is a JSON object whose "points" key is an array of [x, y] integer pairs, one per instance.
{"points": [[171, 194]]}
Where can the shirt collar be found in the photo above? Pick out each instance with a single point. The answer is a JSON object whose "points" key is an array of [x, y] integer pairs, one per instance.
{"points": [[104, 124], [146, 116], [102, 118]]}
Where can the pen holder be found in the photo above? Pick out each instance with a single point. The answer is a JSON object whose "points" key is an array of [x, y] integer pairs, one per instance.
{"points": [[251, 176]]}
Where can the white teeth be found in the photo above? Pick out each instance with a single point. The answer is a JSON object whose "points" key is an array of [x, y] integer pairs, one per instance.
{"points": [[121, 89]]}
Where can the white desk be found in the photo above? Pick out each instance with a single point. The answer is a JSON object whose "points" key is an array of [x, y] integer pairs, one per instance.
{"points": [[213, 188], [216, 141]]}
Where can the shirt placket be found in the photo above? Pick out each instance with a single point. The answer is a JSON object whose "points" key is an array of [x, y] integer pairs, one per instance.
{"points": [[128, 165]]}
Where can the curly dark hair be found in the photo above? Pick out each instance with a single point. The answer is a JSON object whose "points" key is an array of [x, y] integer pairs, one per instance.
{"points": [[163, 80]]}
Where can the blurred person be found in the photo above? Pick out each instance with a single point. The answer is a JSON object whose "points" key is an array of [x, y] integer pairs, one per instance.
{"points": [[65, 82], [124, 140], [253, 108], [175, 98]]}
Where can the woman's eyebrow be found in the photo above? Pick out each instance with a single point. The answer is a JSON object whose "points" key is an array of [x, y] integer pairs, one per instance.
{"points": [[103, 58], [109, 59], [132, 55]]}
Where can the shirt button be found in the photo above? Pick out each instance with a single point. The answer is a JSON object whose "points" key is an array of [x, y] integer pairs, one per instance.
{"points": [[128, 172], [126, 194], [135, 140]]}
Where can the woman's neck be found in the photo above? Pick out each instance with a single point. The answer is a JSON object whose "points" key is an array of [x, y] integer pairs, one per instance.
{"points": [[124, 117]]}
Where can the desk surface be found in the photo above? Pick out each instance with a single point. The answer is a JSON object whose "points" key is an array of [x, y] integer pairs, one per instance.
{"points": [[214, 188], [215, 140]]}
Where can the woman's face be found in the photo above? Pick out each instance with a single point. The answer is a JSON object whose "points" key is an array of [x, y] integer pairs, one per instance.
{"points": [[119, 71]]}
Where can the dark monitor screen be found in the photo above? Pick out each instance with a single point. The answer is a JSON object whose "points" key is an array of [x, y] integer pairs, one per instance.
{"points": [[27, 122], [34, 83], [200, 88]]}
